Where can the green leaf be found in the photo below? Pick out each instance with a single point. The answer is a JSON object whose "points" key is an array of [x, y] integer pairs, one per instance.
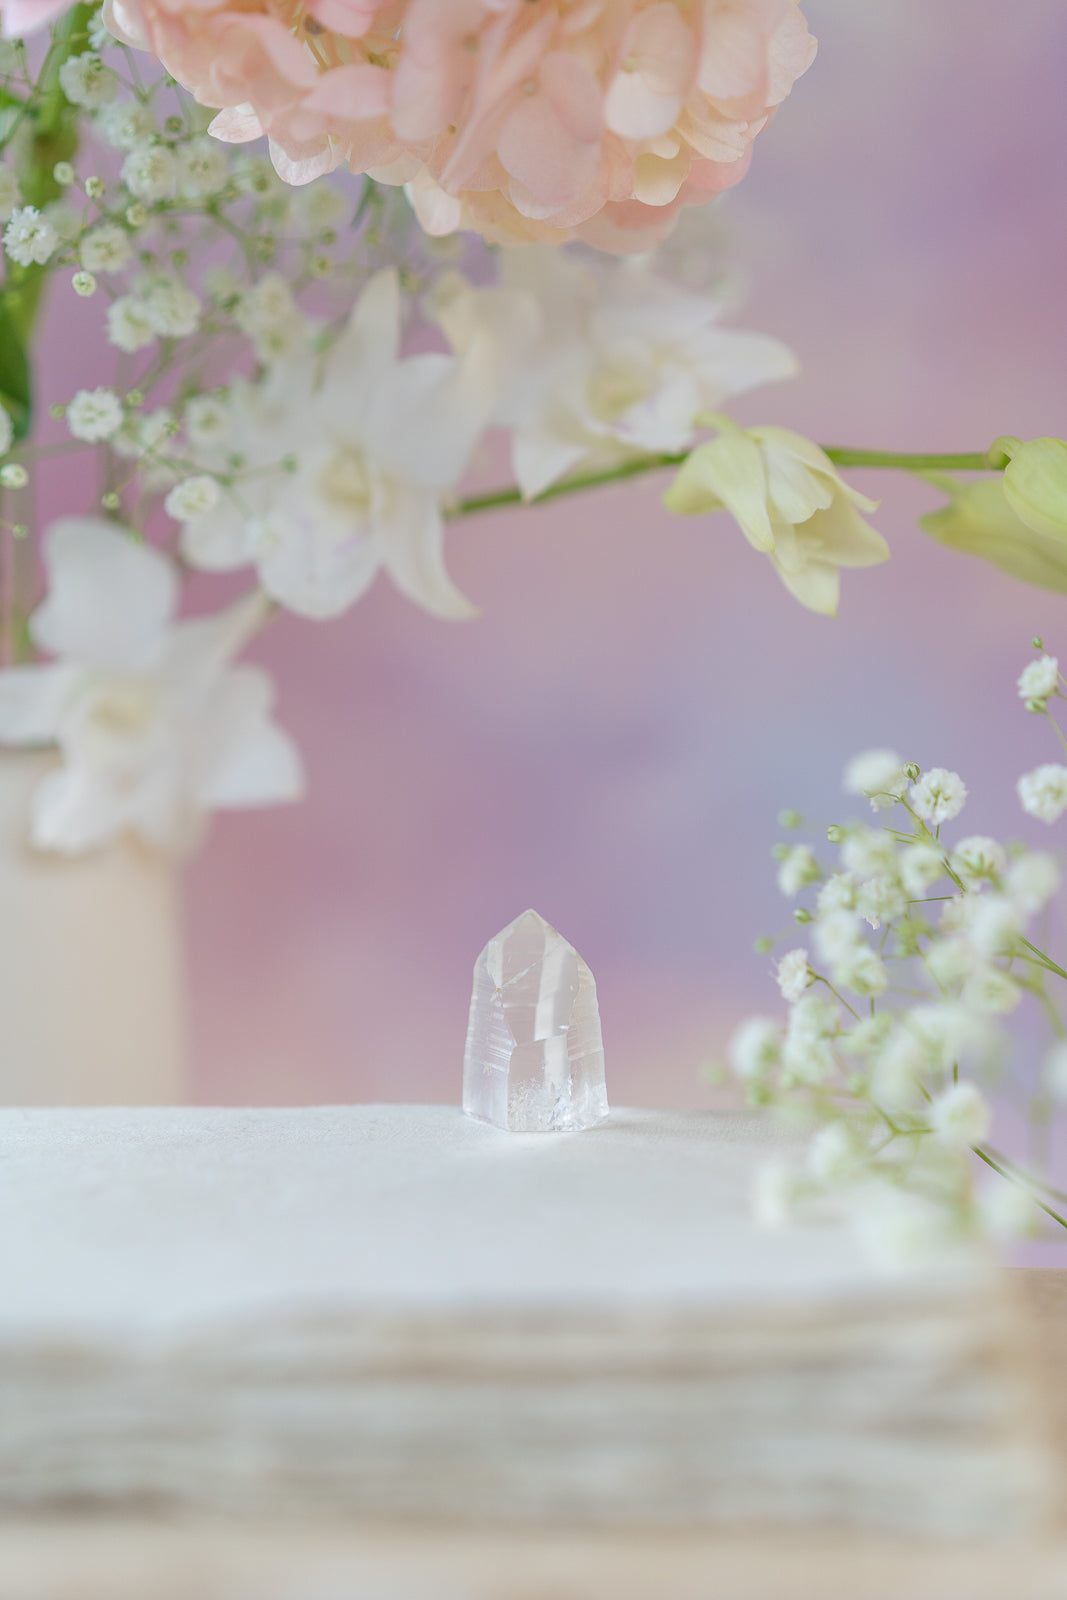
{"points": [[15, 395]]}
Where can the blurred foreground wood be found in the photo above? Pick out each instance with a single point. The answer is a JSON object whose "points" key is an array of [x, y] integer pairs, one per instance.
{"points": [[101, 1558]]}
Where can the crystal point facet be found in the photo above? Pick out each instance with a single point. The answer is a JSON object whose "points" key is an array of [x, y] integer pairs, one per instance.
{"points": [[534, 1061]]}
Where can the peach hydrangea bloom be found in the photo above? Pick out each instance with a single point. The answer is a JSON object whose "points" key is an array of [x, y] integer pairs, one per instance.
{"points": [[524, 119]]}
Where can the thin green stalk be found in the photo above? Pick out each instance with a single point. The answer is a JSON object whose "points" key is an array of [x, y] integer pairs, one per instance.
{"points": [[1045, 960], [909, 461], [1010, 1177], [494, 499], [55, 139]]}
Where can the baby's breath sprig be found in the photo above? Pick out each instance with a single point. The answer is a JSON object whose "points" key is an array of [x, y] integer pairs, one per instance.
{"points": [[918, 950]]}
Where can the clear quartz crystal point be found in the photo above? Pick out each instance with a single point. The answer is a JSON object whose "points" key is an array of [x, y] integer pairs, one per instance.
{"points": [[534, 1061]]}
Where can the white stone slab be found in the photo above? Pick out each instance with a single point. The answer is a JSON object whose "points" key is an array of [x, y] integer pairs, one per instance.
{"points": [[165, 1219]]}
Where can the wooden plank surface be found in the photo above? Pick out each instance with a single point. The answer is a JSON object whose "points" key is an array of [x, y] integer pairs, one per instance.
{"points": [[93, 1558]]}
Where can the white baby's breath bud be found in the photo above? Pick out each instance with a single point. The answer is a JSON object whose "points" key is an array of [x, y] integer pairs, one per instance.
{"points": [[837, 936], [798, 868], [807, 1056], [150, 172], [202, 168], [794, 974], [94, 414], [1009, 1211], [285, 340], [267, 306], [207, 421], [878, 774], [962, 1115], [95, 188], [813, 1016], [192, 498], [9, 192], [938, 796], [991, 992], [921, 866], [7, 432], [1043, 792], [900, 1231], [99, 37], [1055, 1070], [128, 324], [838, 893], [806, 1061], [869, 852], [141, 436], [835, 1155], [14, 475], [950, 959], [221, 284], [255, 175], [881, 899], [86, 81], [1039, 678], [943, 1030], [172, 310], [319, 206], [84, 284], [956, 913], [106, 249], [979, 860], [898, 1066], [869, 1036], [64, 174], [29, 238], [862, 971], [65, 219], [127, 125], [1032, 880], [993, 924], [755, 1048], [775, 1193]]}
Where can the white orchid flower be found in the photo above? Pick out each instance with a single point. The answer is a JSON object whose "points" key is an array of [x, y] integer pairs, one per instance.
{"points": [[348, 461], [155, 726], [596, 365], [790, 503]]}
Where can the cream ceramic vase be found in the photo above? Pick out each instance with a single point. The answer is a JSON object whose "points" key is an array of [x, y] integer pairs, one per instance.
{"points": [[92, 995]]}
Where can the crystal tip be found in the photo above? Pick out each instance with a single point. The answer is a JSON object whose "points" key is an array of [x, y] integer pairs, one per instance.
{"points": [[534, 1060]]}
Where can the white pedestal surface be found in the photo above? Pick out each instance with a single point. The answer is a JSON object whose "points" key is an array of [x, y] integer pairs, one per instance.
{"points": [[397, 1311]]}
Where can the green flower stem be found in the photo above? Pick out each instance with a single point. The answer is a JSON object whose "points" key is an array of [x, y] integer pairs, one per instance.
{"points": [[590, 480], [1047, 961], [973, 461], [1025, 1177], [55, 138], [983, 1155], [967, 461]]}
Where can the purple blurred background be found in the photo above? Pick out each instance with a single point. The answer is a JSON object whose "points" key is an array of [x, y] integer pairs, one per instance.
{"points": [[612, 740]]}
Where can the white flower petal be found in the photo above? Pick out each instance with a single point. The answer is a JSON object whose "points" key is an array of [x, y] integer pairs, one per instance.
{"points": [[217, 542], [414, 556], [315, 564], [32, 701], [109, 600], [540, 458], [245, 759], [429, 413], [72, 812]]}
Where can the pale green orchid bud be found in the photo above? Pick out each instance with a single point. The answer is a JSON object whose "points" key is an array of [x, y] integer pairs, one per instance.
{"points": [[1035, 481], [981, 521], [790, 502]]}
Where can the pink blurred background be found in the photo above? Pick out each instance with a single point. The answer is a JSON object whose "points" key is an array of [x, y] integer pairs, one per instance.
{"points": [[612, 740]]}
